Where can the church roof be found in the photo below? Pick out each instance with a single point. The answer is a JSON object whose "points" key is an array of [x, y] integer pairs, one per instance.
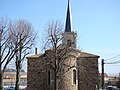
{"points": [[82, 54], [85, 54], [68, 26], [34, 56]]}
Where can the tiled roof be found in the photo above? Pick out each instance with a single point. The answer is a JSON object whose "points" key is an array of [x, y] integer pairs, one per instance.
{"points": [[105, 74]]}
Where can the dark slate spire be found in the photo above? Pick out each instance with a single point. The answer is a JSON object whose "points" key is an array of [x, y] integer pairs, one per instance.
{"points": [[68, 26]]}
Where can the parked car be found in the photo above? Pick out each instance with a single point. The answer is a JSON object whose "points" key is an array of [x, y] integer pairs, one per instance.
{"points": [[10, 88], [112, 88]]}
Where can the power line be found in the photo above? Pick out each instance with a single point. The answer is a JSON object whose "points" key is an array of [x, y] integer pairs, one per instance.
{"points": [[113, 62], [116, 62], [115, 65], [113, 58]]}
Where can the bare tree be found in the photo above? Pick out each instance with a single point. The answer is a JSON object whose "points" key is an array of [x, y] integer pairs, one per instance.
{"points": [[6, 51], [23, 37], [57, 53]]}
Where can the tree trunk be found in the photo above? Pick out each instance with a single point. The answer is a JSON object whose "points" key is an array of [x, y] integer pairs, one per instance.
{"points": [[17, 78], [55, 81], [1, 72], [1, 80], [17, 73]]}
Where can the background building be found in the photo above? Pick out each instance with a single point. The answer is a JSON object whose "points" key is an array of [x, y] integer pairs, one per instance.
{"points": [[109, 80], [9, 78]]}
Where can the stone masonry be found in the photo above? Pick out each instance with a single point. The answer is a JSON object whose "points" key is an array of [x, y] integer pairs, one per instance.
{"points": [[87, 73]]}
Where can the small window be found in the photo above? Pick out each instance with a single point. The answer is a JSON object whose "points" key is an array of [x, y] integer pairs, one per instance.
{"points": [[69, 42], [49, 77], [74, 76]]}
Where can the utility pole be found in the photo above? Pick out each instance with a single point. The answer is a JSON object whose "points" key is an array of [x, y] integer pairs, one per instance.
{"points": [[102, 74]]}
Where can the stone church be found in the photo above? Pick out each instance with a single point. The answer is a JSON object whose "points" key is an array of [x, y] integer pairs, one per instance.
{"points": [[83, 76]]}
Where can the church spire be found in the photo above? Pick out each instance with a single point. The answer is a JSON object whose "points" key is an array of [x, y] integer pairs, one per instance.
{"points": [[69, 37], [68, 26]]}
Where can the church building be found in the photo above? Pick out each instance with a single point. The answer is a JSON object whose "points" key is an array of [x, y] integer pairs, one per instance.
{"points": [[82, 74]]}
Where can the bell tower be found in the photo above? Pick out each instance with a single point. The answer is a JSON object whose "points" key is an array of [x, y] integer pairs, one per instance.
{"points": [[69, 36]]}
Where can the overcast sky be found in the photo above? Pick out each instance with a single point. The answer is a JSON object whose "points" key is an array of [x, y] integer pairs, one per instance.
{"points": [[97, 22]]}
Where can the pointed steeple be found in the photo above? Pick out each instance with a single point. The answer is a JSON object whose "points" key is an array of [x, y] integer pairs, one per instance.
{"points": [[69, 37], [68, 26]]}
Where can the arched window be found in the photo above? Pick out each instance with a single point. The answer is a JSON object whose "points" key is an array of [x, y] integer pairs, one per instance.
{"points": [[69, 42], [49, 77], [74, 76]]}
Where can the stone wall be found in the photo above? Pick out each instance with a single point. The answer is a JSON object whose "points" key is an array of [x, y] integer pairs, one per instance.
{"points": [[36, 77], [66, 80], [87, 73], [86, 67]]}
